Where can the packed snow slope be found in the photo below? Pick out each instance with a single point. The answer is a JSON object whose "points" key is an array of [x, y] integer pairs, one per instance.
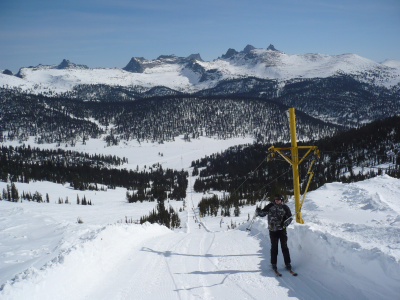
{"points": [[348, 248], [192, 74]]}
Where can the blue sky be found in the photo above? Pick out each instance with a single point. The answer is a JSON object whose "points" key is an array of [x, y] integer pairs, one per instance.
{"points": [[105, 33]]}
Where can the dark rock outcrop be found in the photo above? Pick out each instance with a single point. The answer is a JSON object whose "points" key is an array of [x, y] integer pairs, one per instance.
{"points": [[7, 72], [231, 52], [248, 48], [66, 64], [271, 47], [135, 65], [195, 57]]}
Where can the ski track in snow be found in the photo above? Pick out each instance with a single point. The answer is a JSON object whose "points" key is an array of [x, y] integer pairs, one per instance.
{"points": [[348, 248]]}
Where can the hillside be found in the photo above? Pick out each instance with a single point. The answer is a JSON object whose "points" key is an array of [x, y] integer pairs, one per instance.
{"points": [[159, 119]]}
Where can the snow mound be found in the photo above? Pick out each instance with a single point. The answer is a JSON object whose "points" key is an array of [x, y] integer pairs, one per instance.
{"points": [[92, 258], [336, 267]]}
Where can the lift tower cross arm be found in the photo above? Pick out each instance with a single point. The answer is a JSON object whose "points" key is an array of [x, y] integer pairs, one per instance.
{"points": [[295, 161]]}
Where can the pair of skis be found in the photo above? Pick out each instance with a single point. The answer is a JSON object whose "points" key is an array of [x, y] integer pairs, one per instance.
{"points": [[279, 274]]}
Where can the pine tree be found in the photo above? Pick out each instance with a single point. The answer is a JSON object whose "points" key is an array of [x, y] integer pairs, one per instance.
{"points": [[37, 197], [14, 193], [9, 192], [237, 211]]}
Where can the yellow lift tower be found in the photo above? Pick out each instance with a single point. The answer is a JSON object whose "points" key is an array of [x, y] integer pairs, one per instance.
{"points": [[295, 163]]}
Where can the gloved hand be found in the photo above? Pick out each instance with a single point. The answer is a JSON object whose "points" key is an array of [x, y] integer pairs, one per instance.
{"points": [[258, 211], [286, 223]]}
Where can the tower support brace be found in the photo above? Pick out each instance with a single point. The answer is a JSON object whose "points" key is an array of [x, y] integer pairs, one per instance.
{"points": [[295, 161]]}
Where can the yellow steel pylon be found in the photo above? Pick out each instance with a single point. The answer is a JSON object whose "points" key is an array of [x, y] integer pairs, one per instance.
{"points": [[295, 163]]}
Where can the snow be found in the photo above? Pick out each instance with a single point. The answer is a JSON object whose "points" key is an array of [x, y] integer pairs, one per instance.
{"points": [[348, 248], [266, 64], [392, 63]]}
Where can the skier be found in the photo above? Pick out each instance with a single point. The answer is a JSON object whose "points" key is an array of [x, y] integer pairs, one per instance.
{"points": [[278, 219]]}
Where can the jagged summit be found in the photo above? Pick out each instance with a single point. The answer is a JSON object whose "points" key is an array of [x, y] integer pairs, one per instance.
{"points": [[231, 52], [248, 48], [271, 47], [195, 57], [135, 65], [171, 56], [140, 64], [66, 64]]}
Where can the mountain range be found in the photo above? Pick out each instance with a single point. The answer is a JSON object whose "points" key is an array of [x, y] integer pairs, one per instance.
{"points": [[346, 90], [192, 74]]}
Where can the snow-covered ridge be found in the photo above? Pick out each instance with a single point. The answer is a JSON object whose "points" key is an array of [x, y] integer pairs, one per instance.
{"points": [[392, 63], [191, 73]]}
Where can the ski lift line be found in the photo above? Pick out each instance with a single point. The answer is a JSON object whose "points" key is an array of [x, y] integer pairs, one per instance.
{"points": [[348, 165], [350, 153], [354, 166], [252, 172], [345, 165], [268, 184], [255, 213]]}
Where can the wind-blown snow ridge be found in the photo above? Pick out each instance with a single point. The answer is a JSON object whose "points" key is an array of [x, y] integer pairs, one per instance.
{"points": [[88, 257]]}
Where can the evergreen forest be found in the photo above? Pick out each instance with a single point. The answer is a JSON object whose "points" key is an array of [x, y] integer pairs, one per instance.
{"points": [[246, 175]]}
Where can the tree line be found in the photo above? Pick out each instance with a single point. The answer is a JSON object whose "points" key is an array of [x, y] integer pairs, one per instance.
{"points": [[163, 216], [154, 183]]}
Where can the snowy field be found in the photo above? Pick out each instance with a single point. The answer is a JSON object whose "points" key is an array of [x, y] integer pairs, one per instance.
{"points": [[348, 248]]}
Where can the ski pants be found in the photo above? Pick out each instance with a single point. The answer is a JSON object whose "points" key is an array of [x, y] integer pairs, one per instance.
{"points": [[275, 236]]}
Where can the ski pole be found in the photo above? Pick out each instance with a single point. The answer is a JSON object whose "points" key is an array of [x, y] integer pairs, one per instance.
{"points": [[255, 213], [252, 221]]}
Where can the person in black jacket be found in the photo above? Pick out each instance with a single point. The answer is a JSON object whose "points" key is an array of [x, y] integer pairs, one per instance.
{"points": [[278, 219]]}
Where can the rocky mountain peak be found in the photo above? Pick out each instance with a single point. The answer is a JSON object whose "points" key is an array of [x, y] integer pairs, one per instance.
{"points": [[194, 56], [66, 64], [135, 65], [248, 48], [231, 52], [271, 47], [171, 56]]}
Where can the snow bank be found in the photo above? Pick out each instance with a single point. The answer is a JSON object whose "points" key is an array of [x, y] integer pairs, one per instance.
{"points": [[338, 265], [83, 265], [350, 242]]}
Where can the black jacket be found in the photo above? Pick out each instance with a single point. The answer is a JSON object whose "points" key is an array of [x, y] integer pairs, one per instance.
{"points": [[277, 214]]}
